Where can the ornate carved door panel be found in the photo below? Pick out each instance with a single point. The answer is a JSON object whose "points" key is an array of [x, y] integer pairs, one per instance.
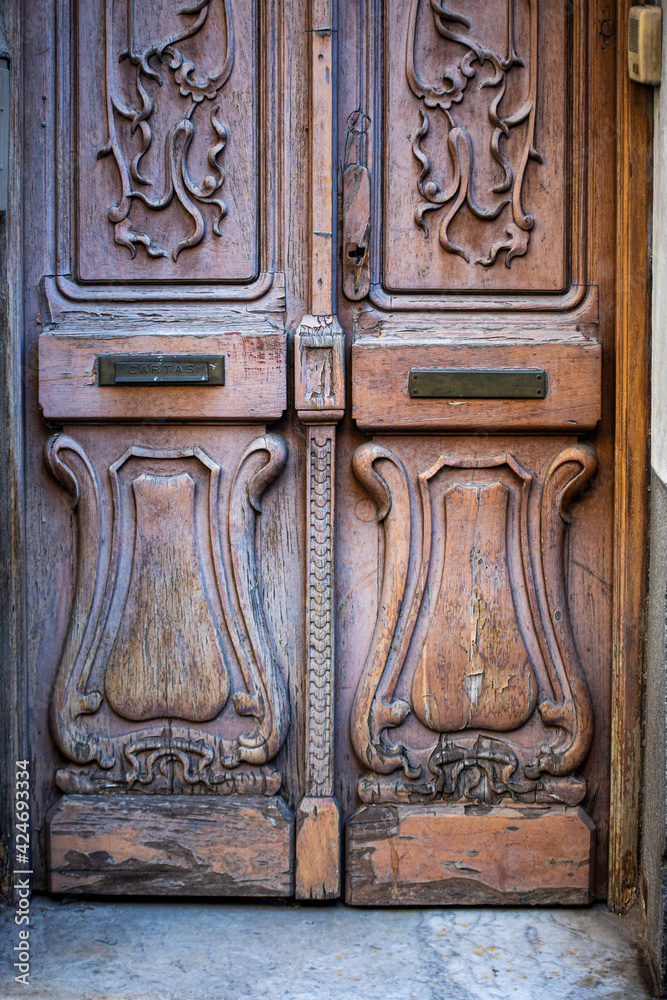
{"points": [[169, 542], [475, 511], [221, 557]]}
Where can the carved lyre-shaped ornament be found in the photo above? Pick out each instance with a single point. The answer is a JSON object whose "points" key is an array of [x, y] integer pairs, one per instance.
{"points": [[473, 622], [477, 154], [167, 619], [162, 67]]}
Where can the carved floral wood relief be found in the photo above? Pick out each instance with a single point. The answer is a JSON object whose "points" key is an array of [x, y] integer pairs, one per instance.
{"points": [[157, 72], [168, 679], [467, 56], [167, 119], [473, 626], [472, 116]]}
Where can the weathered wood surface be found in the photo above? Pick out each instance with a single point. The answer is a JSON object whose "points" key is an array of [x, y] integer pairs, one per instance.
{"points": [[319, 397], [171, 844], [14, 738], [380, 372], [466, 854], [187, 208], [472, 629], [318, 849], [167, 620], [321, 132], [432, 298], [255, 379], [369, 90], [170, 316], [633, 353], [464, 219]]}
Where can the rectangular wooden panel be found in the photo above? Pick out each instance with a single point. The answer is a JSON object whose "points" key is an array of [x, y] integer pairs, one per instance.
{"points": [[166, 117], [442, 855], [475, 118], [381, 378], [254, 389], [189, 845]]}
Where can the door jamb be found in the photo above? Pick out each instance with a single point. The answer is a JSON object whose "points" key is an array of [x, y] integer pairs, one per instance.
{"points": [[634, 130]]}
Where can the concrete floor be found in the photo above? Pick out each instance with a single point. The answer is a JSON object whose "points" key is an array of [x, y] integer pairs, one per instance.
{"points": [[225, 951]]}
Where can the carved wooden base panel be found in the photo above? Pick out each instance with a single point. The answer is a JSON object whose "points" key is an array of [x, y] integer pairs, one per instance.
{"points": [[472, 715], [443, 855], [472, 689], [169, 680], [171, 844]]}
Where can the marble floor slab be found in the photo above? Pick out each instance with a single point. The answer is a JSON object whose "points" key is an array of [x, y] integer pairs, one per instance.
{"points": [[225, 951]]}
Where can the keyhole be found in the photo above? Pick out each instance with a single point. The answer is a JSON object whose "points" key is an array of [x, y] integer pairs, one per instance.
{"points": [[357, 253]]}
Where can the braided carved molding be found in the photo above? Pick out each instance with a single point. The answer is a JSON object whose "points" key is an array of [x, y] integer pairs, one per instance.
{"points": [[320, 616], [320, 401]]}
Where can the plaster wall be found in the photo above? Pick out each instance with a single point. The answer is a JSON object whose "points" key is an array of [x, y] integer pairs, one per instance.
{"points": [[654, 821]]}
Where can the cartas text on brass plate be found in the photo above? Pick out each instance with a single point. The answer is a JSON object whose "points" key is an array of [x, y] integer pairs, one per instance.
{"points": [[477, 383], [160, 369]]}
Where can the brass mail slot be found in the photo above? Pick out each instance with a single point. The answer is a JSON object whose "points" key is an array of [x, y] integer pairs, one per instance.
{"points": [[160, 369], [477, 383]]}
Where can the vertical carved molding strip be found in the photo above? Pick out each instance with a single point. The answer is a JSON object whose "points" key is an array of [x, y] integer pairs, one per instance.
{"points": [[320, 401], [321, 456], [320, 398]]}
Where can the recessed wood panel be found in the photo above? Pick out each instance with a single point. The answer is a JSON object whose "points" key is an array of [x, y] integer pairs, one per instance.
{"points": [[165, 845], [166, 141], [169, 680], [255, 379], [475, 150]]}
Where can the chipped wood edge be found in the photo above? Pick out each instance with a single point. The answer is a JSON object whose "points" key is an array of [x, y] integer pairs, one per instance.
{"points": [[633, 310], [317, 873]]}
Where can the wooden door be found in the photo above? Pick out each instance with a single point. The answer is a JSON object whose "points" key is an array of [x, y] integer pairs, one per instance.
{"points": [[266, 612], [166, 519], [475, 513]]}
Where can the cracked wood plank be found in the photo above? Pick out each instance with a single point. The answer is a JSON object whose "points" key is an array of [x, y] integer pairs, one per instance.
{"points": [[162, 845], [472, 855]]}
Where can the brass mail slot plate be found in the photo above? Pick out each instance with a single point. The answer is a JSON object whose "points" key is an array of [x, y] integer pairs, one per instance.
{"points": [[477, 383], [160, 369]]}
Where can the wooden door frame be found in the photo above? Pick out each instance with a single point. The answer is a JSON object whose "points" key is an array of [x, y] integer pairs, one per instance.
{"points": [[634, 130], [633, 310]]}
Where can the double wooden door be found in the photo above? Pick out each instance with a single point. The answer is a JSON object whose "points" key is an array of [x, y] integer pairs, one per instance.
{"points": [[321, 483]]}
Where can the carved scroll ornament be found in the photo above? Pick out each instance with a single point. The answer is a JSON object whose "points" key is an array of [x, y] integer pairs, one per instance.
{"points": [[160, 618], [466, 58], [478, 627], [156, 93]]}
